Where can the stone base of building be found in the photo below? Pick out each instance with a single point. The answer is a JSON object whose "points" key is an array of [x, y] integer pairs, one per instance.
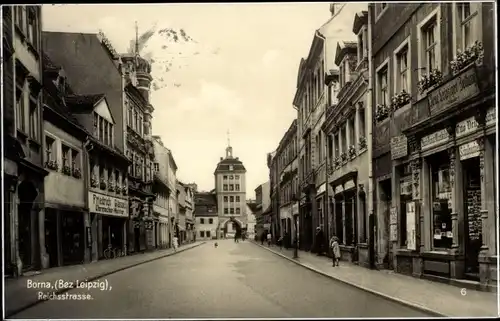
{"points": [[347, 253], [363, 255], [446, 268]]}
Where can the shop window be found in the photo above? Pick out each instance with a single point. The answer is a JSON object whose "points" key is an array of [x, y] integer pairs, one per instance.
{"points": [[202, 233], [210, 221], [441, 201]]}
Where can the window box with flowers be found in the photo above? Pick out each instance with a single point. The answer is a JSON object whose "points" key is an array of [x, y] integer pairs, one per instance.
{"points": [[76, 172], [336, 162], [111, 186], [352, 152], [66, 170], [102, 184], [362, 143], [471, 55], [52, 165], [343, 157], [400, 100], [381, 112], [429, 81], [94, 182]]}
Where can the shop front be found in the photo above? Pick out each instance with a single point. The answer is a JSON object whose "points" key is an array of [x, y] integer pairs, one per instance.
{"points": [[445, 228], [286, 224], [111, 215], [308, 211]]}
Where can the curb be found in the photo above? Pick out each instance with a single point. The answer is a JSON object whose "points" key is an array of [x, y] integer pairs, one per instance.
{"points": [[385, 296], [92, 278]]}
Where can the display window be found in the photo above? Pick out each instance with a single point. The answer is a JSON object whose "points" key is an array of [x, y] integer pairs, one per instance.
{"points": [[441, 197], [404, 198]]}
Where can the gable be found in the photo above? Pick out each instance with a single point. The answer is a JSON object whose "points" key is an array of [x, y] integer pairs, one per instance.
{"points": [[102, 109]]}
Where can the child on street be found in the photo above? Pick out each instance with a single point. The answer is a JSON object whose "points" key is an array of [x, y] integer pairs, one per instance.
{"points": [[334, 245]]}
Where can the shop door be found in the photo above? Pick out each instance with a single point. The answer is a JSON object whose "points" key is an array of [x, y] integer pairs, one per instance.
{"points": [[472, 197], [51, 244], [339, 224], [72, 238]]}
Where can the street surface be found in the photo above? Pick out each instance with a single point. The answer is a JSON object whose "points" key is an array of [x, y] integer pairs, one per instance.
{"points": [[234, 280]]}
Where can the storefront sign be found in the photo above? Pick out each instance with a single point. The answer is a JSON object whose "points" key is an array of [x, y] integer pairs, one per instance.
{"points": [[411, 230], [467, 126], [491, 116], [469, 150], [455, 91], [440, 137], [107, 205], [399, 147]]}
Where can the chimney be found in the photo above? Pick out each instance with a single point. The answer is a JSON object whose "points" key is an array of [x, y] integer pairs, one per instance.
{"points": [[221, 158], [332, 8]]}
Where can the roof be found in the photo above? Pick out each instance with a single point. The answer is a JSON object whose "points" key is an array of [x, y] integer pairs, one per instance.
{"points": [[344, 47], [204, 201], [253, 207], [360, 19], [223, 165], [83, 103]]}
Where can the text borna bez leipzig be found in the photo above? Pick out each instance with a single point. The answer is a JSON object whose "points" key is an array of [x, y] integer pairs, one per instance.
{"points": [[108, 205]]}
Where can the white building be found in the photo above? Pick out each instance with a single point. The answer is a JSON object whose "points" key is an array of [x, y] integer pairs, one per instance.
{"points": [[206, 216], [162, 191], [173, 207]]}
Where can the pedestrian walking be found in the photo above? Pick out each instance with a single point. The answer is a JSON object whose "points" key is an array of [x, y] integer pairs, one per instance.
{"points": [[334, 245], [280, 242], [269, 237], [175, 243]]}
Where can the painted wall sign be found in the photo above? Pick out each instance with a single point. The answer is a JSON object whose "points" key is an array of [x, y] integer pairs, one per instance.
{"points": [[399, 147], [107, 205], [453, 92], [469, 150], [466, 126], [491, 116], [411, 229], [437, 138]]}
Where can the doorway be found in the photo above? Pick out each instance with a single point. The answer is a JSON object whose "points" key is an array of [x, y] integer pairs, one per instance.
{"points": [[473, 221], [51, 245], [26, 221], [72, 238], [384, 209]]}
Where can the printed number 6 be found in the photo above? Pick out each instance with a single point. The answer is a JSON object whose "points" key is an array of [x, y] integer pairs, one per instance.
{"points": [[463, 291]]}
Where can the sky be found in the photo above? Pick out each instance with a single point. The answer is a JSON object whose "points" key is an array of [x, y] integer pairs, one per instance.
{"points": [[239, 75]]}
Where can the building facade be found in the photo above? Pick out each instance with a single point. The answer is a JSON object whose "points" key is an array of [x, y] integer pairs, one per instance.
{"points": [[288, 184], [262, 205], [182, 210], [346, 145], [206, 215], [23, 167], [190, 223], [173, 207], [162, 192], [435, 160], [230, 188], [272, 219]]}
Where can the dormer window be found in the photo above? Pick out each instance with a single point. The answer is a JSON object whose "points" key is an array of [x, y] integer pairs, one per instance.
{"points": [[103, 129]]}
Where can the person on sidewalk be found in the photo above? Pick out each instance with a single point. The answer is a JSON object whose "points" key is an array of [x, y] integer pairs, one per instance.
{"points": [[280, 242], [269, 239], [334, 245], [319, 240], [175, 243]]}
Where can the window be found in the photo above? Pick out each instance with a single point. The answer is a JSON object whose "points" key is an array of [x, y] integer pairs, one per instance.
{"points": [[210, 221], [231, 187], [96, 125], [362, 120], [231, 199], [342, 74], [110, 134], [101, 129], [231, 177], [224, 177], [231, 211], [230, 167], [202, 221], [226, 211], [383, 98], [208, 234], [157, 167], [441, 196], [224, 187], [202, 233], [352, 129], [344, 138], [429, 40], [117, 180], [34, 120], [238, 210], [130, 115], [105, 137], [361, 45], [237, 187], [237, 199], [468, 18], [20, 110], [402, 71], [225, 199], [140, 125], [75, 160], [32, 27], [50, 151], [236, 176], [65, 155], [337, 145]]}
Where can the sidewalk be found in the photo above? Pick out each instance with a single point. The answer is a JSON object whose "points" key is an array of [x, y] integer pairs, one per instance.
{"points": [[436, 298], [19, 297]]}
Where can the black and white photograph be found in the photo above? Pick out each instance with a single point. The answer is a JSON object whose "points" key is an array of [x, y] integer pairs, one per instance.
{"points": [[270, 160]]}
